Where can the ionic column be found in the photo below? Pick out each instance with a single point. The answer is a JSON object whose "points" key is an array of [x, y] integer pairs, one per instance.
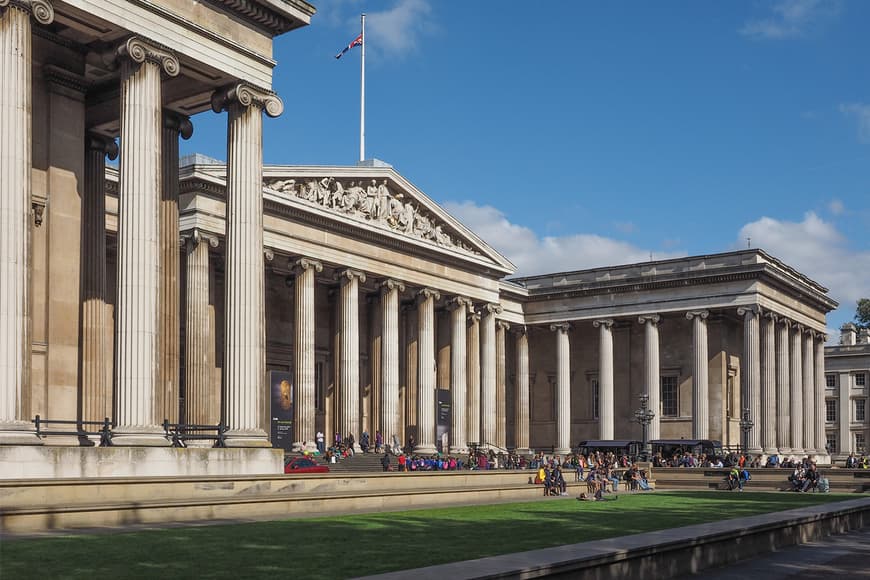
{"points": [[522, 407], [390, 290], [138, 405], [169, 321], [605, 377], [768, 385], [201, 396], [700, 391], [458, 371], [348, 380], [16, 148], [96, 354], [472, 410], [487, 374], [796, 399], [783, 391], [245, 335], [426, 368], [652, 371], [819, 368], [751, 398], [809, 394], [304, 326], [500, 385], [563, 388]]}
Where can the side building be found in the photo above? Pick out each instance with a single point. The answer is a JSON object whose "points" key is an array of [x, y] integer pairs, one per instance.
{"points": [[847, 373]]}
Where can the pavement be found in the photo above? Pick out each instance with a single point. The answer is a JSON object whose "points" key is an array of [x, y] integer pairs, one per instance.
{"points": [[843, 556]]}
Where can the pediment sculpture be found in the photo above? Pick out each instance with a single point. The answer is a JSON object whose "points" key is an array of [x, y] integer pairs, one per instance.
{"points": [[375, 203]]}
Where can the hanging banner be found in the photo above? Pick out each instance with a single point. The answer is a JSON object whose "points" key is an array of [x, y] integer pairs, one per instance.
{"points": [[281, 389], [443, 416]]}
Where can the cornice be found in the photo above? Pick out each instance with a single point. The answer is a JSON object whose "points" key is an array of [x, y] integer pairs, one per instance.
{"points": [[259, 15]]}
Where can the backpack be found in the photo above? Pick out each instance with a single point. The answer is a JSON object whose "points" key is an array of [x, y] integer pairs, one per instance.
{"points": [[745, 475]]}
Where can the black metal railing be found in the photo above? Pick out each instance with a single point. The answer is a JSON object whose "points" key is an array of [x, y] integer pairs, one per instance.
{"points": [[105, 430], [181, 433]]}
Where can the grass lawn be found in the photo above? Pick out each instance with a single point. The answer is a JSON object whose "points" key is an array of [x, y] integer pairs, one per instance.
{"points": [[341, 547]]}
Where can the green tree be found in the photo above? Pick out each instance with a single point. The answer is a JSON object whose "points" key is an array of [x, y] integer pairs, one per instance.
{"points": [[862, 313]]}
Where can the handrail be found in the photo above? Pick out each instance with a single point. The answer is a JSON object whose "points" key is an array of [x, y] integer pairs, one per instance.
{"points": [[180, 433], [105, 432]]}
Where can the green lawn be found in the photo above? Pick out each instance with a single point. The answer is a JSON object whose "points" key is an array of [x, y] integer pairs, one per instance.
{"points": [[340, 547]]}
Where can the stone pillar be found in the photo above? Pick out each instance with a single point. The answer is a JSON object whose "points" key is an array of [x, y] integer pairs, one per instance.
{"points": [[348, 379], [652, 371], [201, 397], [819, 391], [500, 385], [563, 388], [426, 368], [751, 396], [390, 290], [16, 148], [458, 371], [138, 405], [523, 401], [169, 318], [487, 374], [96, 397], [796, 400], [605, 377], [472, 409], [245, 335], [767, 420], [700, 394], [783, 392], [809, 393], [304, 325]]}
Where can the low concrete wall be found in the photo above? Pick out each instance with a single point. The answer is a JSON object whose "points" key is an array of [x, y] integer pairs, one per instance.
{"points": [[662, 554], [27, 462]]}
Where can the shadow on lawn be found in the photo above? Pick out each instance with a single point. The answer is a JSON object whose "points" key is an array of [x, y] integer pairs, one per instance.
{"points": [[340, 547]]}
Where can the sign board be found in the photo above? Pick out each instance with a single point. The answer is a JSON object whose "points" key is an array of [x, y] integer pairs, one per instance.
{"points": [[281, 409]]}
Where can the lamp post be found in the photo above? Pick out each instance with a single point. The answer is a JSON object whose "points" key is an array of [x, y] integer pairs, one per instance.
{"points": [[746, 425], [644, 416]]}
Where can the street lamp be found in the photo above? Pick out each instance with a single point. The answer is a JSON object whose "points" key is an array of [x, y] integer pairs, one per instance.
{"points": [[644, 416], [746, 425]]}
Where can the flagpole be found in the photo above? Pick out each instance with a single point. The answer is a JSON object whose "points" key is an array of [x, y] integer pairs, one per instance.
{"points": [[362, 92]]}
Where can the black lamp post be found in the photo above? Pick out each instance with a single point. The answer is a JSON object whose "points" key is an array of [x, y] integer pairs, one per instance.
{"points": [[746, 425], [644, 416]]}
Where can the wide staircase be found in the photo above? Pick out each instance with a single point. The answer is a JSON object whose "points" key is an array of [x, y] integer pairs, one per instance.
{"points": [[358, 463], [765, 479]]}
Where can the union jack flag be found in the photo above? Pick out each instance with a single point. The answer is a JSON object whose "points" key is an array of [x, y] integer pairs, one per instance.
{"points": [[356, 42]]}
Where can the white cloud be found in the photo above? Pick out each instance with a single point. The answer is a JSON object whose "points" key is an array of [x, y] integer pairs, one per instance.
{"points": [[815, 248], [791, 19], [836, 207], [861, 113], [537, 255], [397, 30]]}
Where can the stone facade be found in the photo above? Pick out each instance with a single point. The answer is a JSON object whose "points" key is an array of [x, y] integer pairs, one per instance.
{"points": [[847, 375]]}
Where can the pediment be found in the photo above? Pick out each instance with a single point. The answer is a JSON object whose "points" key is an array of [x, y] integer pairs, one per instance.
{"points": [[379, 199]]}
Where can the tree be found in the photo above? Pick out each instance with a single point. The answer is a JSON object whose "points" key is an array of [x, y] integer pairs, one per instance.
{"points": [[862, 313]]}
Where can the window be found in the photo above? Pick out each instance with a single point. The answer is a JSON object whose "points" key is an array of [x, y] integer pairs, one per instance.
{"points": [[593, 384], [860, 443], [860, 380], [669, 396], [831, 410], [860, 409], [831, 444], [830, 380]]}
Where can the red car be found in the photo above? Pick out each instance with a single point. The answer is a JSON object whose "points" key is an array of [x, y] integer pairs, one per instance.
{"points": [[304, 465]]}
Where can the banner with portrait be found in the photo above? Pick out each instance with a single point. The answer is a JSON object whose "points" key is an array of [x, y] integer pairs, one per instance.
{"points": [[281, 409]]}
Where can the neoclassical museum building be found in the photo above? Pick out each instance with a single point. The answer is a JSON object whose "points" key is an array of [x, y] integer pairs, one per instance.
{"points": [[281, 301]]}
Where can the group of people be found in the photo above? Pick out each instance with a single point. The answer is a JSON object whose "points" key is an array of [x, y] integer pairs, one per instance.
{"points": [[805, 477], [853, 462], [415, 463]]}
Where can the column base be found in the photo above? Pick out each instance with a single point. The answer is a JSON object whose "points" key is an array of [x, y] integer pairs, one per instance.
{"points": [[524, 451], [425, 450], [770, 451], [140, 436], [19, 433], [755, 451], [247, 438], [562, 451], [459, 450]]}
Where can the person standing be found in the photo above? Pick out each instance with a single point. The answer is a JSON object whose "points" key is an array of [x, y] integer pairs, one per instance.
{"points": [[321, 441]]}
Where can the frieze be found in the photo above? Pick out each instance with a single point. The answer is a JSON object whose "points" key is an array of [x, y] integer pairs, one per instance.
{"points": [[375, 204]]}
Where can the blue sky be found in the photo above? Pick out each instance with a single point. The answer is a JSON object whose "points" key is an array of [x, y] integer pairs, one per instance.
{"points": [[580, 134]]}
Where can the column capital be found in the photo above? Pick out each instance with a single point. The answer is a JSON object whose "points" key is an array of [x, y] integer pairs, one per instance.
{"points": [[786, 322], [390, 284], [653, 319], [492, 308], [750, 310], [427, 293], [196, 236], [561, 326], [178, 122], [520, 329], [821, 336], [799, 327], [268, 254], [303, 264], [459, 302], [41, 10], [247, 96], [473, 315], [106, 145], [501, 324], [702, 314], [605, 322], [140, 50], [771, 315], [350, 274]]}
